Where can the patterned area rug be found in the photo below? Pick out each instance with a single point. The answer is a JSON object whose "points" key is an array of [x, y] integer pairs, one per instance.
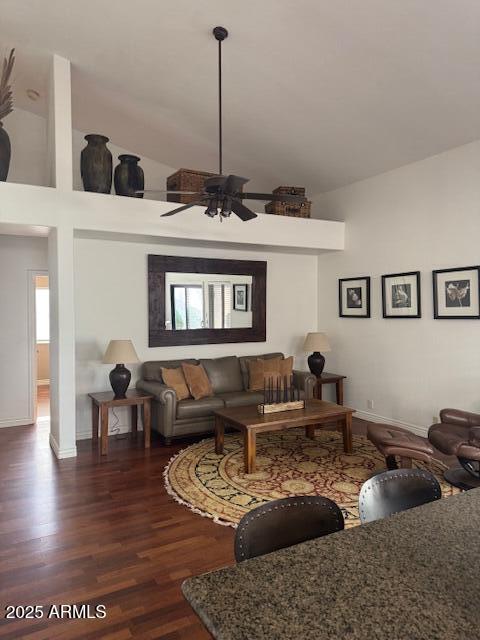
{"points": [[288, 464]]}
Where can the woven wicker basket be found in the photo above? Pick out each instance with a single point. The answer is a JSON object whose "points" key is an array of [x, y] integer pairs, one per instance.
{"points": [[296, 210], [292, 191], [301, 210], [186, 180]]}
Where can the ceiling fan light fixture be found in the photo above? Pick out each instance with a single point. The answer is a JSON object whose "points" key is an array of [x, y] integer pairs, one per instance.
{"points": [[226, 210], [211, 210]]}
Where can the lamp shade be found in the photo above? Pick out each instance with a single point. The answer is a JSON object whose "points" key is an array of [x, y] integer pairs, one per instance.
{"points": [[120, 351], [316, 342]]}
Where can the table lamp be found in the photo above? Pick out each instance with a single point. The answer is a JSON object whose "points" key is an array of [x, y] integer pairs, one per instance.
{"points": [[316, 342], [120, 351]]}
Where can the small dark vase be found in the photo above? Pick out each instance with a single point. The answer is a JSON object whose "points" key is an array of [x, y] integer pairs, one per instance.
{"points": [[96, 164], [316, 362], [120, 379], [5, 153], [129, 177]]}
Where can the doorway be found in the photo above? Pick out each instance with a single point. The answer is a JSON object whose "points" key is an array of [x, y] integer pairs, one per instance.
{"points": [[42, 350]]}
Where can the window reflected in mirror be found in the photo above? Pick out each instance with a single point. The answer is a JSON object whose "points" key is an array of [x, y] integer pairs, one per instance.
{"points": [[207, 301]]}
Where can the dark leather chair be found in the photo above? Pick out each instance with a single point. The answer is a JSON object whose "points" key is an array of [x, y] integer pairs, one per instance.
{"points": [[285, 522], [398, 490], [458, 434]]}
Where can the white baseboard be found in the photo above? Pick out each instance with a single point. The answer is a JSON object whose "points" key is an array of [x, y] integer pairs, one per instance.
{"points": [[60, 454], [43, 382], [419, 430], [17, 422]]}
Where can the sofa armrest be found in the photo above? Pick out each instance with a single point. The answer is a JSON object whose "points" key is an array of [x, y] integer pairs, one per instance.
{"points": [[305, 381], [165, 411], [462, 418]]}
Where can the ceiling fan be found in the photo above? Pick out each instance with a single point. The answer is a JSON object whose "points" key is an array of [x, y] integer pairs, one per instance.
{"points": [[223, 194]]}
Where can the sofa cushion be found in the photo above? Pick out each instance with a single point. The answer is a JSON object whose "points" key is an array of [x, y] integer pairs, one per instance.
{"points": [[241, 398], [243, 360], [175, 379], [224, 374], [198, 408], [152, 369], [197, 381]]}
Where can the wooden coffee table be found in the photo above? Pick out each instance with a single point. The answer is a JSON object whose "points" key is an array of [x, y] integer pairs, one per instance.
{"points": [[250, 422]]}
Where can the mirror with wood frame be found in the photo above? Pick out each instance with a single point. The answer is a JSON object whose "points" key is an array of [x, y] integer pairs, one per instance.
{"points": [[205, 301]]}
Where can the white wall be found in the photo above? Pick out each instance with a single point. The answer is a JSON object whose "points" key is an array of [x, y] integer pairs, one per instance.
{"points": [[111, 302], [29, 164], [18, 257], [28, 137], [422, 216]]}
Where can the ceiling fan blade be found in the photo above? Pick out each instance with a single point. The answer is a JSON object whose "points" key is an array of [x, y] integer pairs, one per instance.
{"points": [[242, 211], [185, 206], [185, 193], [270, 196]]}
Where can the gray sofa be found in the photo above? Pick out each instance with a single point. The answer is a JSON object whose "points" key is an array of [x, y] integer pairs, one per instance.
{"points": [[229, 379]]}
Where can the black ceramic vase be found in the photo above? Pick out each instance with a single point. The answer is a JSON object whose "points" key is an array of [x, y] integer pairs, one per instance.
{"points": [[96, 164], [120, 379], [129, 177], [5, 153], [316, 362]]}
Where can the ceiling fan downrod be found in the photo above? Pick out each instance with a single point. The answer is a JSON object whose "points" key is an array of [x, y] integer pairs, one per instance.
{"points": [[220, 34]]}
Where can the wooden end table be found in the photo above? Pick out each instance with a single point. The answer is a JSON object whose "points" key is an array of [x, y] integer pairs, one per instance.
{"points": [[330, 378], [101, 403], [250, 422]]}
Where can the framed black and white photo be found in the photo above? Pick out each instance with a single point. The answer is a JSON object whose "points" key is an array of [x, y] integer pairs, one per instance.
{"points": [[456, 293], [240, 297], [354, 297], [401, 295]]}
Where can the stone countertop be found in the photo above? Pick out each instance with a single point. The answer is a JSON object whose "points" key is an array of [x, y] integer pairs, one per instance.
{"points": [[411, 576]]}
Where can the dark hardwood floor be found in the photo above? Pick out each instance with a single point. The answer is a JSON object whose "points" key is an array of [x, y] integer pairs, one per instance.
{"points": [[100, 531]]}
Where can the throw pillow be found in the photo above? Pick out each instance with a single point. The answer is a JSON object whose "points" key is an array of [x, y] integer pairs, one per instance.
{"points": [[286, 367], [197, 380], [260, 370], [255, 375], [175, 379]]}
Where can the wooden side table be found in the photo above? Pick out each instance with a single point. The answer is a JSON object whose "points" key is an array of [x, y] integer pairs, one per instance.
{"points": [[101, 403], [330, 378]]}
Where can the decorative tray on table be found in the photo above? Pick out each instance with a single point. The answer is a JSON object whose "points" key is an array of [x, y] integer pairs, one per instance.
{"points": [[279, 394]]}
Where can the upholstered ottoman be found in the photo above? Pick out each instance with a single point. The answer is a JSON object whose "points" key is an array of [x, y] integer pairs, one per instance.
{"points": [[395, 441]]}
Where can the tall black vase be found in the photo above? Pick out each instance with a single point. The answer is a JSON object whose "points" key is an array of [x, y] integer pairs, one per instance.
{"points": [[129, 177], [96, 164], [5, 153]]}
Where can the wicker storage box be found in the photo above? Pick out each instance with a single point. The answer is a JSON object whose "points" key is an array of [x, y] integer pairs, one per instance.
{"points": [[300, 210], [294, 209], [186, 180], [292, 191]]}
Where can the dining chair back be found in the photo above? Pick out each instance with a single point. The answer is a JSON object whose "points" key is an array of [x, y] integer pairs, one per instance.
{"points": [[392, 491], [285, 522]]}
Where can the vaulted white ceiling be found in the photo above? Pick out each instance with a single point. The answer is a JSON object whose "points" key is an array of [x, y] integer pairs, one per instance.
{"points": [[317, 93]]}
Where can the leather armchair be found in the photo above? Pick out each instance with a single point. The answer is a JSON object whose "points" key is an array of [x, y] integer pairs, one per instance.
{"points": [[458, 434]]}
